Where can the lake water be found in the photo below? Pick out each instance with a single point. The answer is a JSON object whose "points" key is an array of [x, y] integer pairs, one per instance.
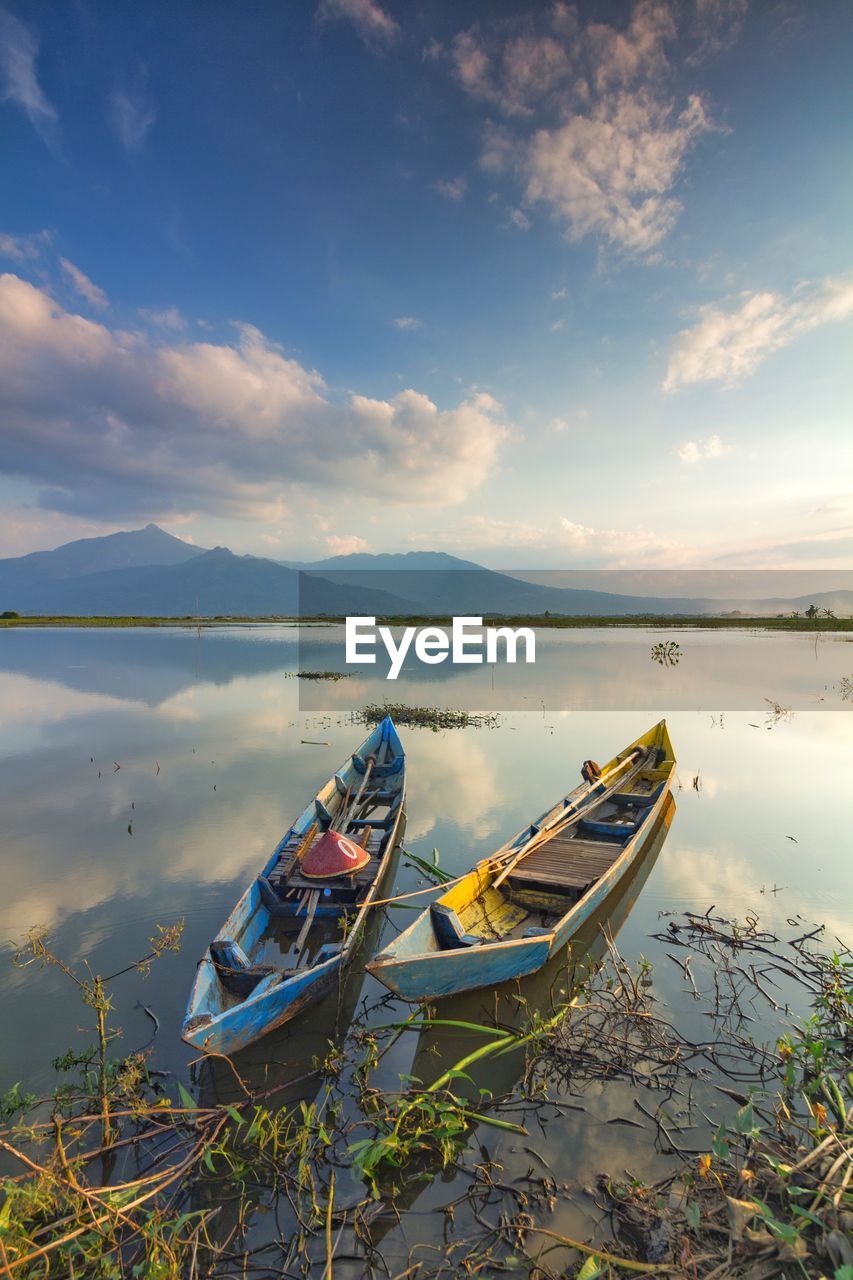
{"points": [[146, 775]]}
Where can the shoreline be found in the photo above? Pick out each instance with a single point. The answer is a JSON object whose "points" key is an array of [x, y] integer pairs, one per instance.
{"points": [[541, 621]]}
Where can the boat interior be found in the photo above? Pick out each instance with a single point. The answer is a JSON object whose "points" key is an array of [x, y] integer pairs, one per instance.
{"points": [[367, 820], [301, 920], [558, 872]]}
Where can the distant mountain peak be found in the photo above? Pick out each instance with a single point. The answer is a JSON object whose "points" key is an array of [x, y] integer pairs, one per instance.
{"points": [[126, 549]]}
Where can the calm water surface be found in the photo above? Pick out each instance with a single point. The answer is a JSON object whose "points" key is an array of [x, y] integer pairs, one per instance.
{"points": [[196, 745]]}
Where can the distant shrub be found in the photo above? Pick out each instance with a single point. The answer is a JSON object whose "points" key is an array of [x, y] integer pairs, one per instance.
{"points": [[9, 613]]}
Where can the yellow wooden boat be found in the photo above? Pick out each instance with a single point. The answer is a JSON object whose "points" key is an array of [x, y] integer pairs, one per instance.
{"points": [[519, 906]]}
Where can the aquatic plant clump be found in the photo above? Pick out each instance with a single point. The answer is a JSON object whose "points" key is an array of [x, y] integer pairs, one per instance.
{"points": [[425, 717], [321, 675], [666, 653]]}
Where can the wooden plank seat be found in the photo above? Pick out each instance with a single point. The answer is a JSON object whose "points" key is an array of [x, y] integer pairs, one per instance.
{"points": [[616, 827], [379, 797], [641, 791], [357, 824], [566, 863], [359, 880]]}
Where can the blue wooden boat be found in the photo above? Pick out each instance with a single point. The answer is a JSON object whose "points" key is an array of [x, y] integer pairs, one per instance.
{"points": [[518, 907], [286, 941]]}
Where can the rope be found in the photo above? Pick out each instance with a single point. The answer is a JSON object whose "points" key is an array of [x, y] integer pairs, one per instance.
{"points": [[569, 815]]}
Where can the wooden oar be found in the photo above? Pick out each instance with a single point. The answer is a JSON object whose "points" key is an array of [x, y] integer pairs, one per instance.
{"points": [[562, 818], [305, 844], [371, 761], [311, 907], [343, 812], [362, 801]]}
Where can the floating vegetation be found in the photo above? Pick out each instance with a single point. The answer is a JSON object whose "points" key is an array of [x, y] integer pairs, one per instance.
{"points": [[667, 653], [319, 675], [123, 1172], [434, 718], [777, 714], [431, 870]]}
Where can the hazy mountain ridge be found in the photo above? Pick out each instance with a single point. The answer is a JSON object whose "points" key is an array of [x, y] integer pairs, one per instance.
{"points": [[207, 583], [148, 572], [141, 548]]}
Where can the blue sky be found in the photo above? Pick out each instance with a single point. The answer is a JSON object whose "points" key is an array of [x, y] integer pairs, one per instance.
{"points": [[548, 286]]}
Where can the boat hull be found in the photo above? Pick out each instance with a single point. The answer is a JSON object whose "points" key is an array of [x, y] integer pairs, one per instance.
{"points": [[217, 1022], [417, 968], [441, 973], [236, 1028]]}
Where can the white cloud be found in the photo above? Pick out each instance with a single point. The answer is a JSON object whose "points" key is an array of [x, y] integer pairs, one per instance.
{"points": [[727, 345], [518, 219], [693, 451], [408, 322], [617, 548], [110, 422], [472, 66], [608, 173], [457, 779], [578, 535], [132, 115], [346, 544], [81, 284], [26, 248], [168, 318], [18, 51], [478, 532], [595, 548], [613, 142], [24, 529], [557, 325], [370, 20], [452, 188], [517, 77]]}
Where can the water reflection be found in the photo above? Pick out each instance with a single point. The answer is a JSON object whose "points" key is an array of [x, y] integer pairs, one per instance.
{"points": [[287, 1059], [598, 668], [209, 739], [292, 1067], [512, 1006], [606, 669], [161, 662]]}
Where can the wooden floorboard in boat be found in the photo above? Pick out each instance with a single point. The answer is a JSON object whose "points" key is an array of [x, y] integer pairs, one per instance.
{"points": [[366, 875], [571, 863]]}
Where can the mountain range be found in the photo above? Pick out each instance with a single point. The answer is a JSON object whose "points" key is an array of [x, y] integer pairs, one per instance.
{"points": [[148, 572]]}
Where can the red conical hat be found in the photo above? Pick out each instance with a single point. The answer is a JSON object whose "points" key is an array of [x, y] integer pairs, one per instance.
{"points": [[333, 855]]}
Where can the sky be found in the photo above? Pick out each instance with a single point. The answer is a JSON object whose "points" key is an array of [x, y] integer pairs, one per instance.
{"points": [[547, 286]]}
